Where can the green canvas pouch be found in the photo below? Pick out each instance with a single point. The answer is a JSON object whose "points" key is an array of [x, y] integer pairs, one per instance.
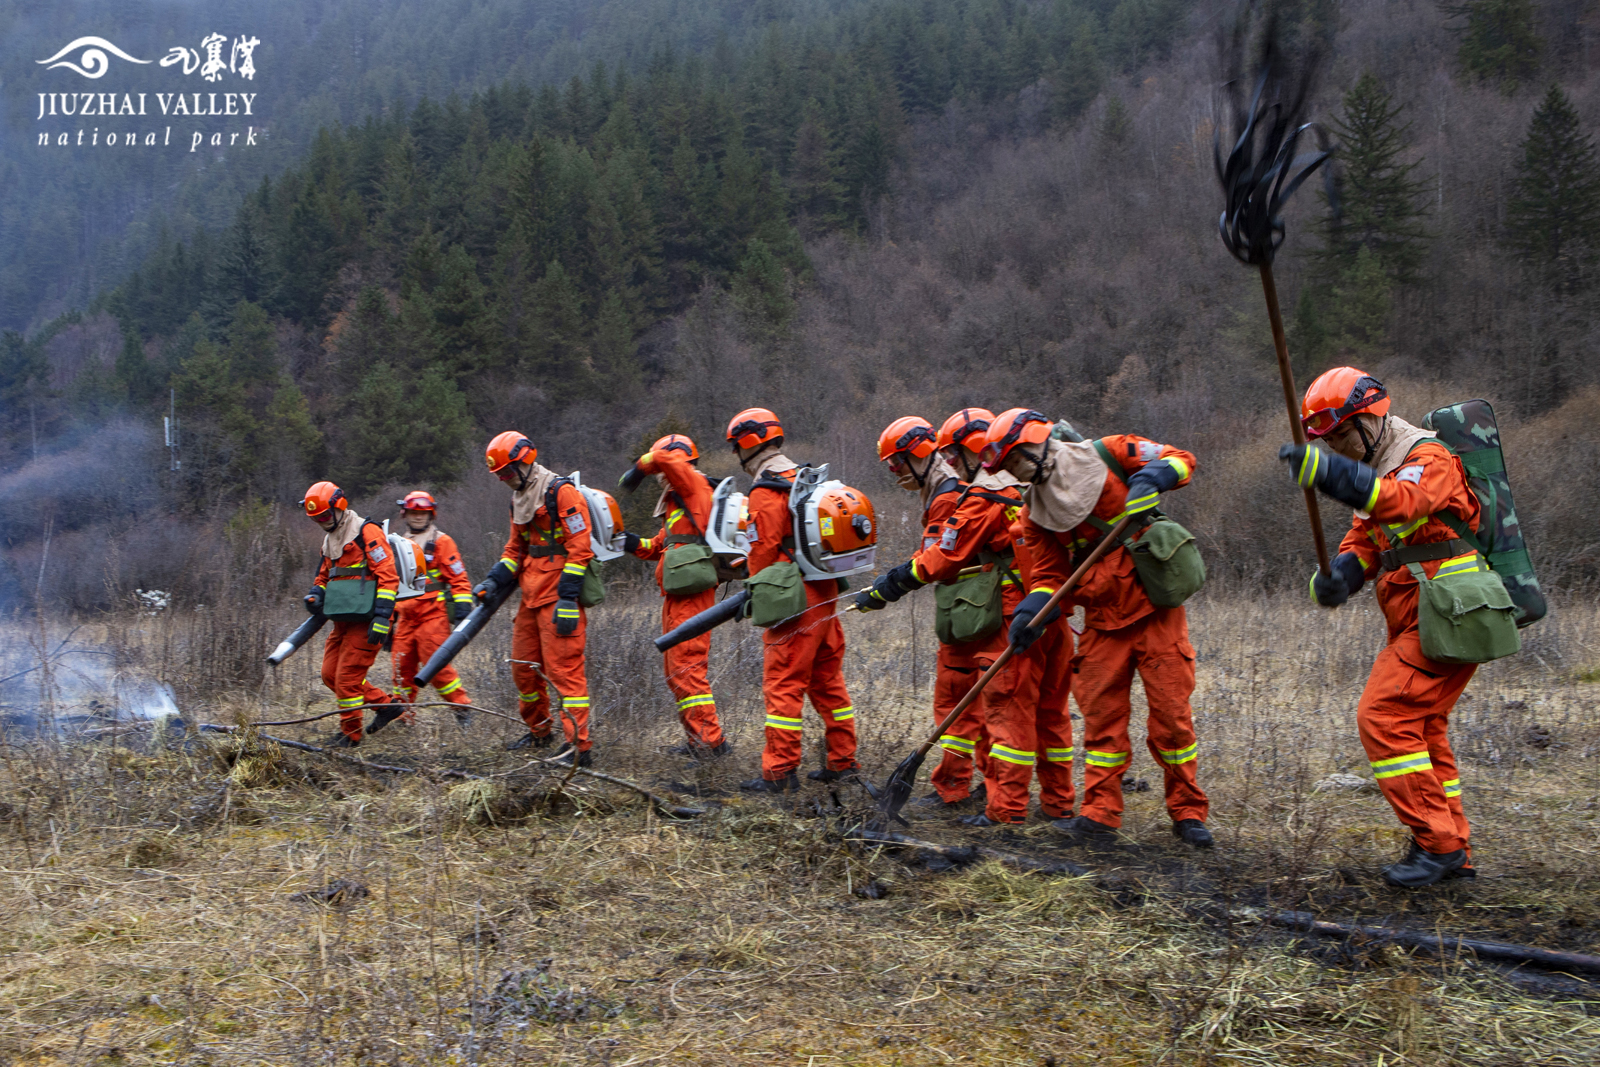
{"points": [[969, 608], [350, 599], [688, 568], [1465, 614], [777, 593]]}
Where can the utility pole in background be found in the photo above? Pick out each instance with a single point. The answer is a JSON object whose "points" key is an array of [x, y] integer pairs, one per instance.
{"points": [[170, 422]]}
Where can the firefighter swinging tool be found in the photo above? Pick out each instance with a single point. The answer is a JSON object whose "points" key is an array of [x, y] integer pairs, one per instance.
{"points": [[897, 790]]}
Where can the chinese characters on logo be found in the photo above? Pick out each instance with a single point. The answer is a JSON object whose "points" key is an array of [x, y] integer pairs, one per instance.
{"points": [[241, 57]]}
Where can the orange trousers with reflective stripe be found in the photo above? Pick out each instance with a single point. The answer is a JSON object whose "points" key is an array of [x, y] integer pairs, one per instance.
{"points": [[534, 638], [952, 778], [1157, 646], [804, 658], [419, 629], [1031, 729], [346, 658], [686, 671], [1404, 715]]}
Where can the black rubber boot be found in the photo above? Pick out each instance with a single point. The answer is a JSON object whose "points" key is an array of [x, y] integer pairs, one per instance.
{"points": [[568, 753], [1419, 868], [982, 819], [1193, 832], [342, 740], [1082, 830], [384, 714], [787, 784], [530, 740], [826, 775], [698, 751], [463, 718]]}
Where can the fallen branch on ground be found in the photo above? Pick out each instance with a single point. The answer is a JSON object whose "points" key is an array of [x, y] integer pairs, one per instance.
{"points": [[965, 855]]}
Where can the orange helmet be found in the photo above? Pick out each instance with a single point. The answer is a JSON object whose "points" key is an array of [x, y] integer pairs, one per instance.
{"points": [[322, 496], [678, 441], [962, 424], [1018, 426], [417, 500], [845, 520], [507, 448], [1336, 395], [909, 433], [753, 427]]}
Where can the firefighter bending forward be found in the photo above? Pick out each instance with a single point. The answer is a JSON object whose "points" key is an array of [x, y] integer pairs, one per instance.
{"points": [[909, 447], [684, 510], [353, 550], [803, 657], [422, 623], [1400, 481], [548, 553], [1075, 497]]}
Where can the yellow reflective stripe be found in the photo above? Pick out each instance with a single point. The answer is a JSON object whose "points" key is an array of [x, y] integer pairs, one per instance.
{"points": [[1140, 503], [575, 702], [646, 542], [1013, 755], [1180, 466], [1310, 460], [386, 594], [446, 690], [697, 700], [780, 722], [674, 515], [1105, 759], [917, 573], [1467, 564], [352, 702], [509, 562], [573, 568], [1043, 589], [961, 746], [1400, 533], [531, 698], [1372, 501], [1058, 755], [1452, 788], [1398, 765], [1179, 755], [461, 598], [841, 714]]}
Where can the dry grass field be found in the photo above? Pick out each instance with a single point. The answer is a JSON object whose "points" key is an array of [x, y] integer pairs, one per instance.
{"points": [[163, 893]]}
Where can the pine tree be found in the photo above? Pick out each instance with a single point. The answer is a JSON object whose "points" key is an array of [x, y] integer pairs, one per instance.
{"points": [[1554, 216], [1498, 43], [1379, 205]]}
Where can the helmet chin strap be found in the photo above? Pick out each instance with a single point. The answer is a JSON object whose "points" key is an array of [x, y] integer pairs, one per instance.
{"points": [[1369, 443], [967, 469], [1038, 466]]}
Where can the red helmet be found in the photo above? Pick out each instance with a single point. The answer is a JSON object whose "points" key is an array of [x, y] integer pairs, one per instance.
{"points": [[678, 441], [1336, 395], [417, 500], [753, 427], [507, 448], [322, 496], [962, 424], [1018, 426], [909, 433]]}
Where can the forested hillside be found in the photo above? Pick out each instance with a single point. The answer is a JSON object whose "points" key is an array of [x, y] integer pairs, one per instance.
{"points": [[861, 211]]}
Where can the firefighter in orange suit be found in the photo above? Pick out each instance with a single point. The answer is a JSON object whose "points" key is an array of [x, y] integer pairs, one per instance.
{"points": [[1025, 706], [1401, 482], [548, 553], [353, 549], [422, 623], [1073, 498], [685, 511], [803, 656], [909, 446]]}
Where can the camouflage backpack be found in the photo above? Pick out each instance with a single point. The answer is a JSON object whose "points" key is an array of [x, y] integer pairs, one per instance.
{"points": [[1469, 430]]}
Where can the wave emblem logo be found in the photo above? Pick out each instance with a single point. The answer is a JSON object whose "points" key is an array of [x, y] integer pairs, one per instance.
{"points": [[93, 57]]}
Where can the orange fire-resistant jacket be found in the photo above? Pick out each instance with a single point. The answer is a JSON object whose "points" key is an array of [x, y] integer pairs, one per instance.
{"points": [[545, 548], [688, 506]]}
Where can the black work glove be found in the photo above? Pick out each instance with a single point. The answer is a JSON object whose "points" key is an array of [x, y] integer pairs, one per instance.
{"points": [[571, 583], [1146, 485], [889, 587], [1347, 578], [314, 600], [459, 609], [380, 629], [1347, 481], [499, 576], [566, 614], [633, 479], [1023, 634], [630, 542]]}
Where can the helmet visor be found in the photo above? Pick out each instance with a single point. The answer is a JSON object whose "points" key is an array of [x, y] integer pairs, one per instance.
{"points": [[1323, 422]]}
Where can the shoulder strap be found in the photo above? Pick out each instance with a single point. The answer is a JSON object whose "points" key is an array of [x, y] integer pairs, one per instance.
{"points": [[672, 494], [949, 485], [551, 506], [1110, 461], [772, 483]]}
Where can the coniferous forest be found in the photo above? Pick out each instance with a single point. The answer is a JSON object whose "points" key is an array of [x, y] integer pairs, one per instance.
{"points": [[844, 211]]}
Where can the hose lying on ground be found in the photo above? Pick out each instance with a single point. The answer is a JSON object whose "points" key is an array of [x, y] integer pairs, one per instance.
{"points": [[1447, 945]]}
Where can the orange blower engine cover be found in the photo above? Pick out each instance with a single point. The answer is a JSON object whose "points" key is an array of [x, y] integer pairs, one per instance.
{"points": [[835, 528]]}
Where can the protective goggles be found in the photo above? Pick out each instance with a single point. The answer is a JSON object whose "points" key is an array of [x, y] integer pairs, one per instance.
{"points": [[749, 428], [994, 453], [1321, 423]]}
